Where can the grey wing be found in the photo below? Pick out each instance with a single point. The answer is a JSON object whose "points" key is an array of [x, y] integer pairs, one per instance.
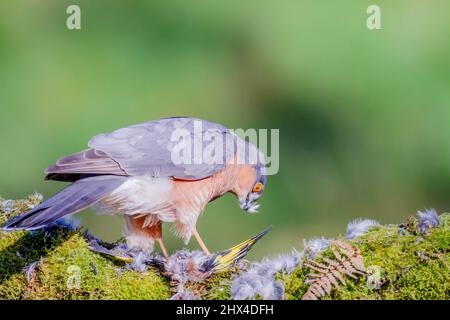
{"points": [[148, 148], [86, 162]]}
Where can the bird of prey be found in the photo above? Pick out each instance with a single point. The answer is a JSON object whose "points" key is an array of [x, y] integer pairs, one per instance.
{"points": [[152, 173]]}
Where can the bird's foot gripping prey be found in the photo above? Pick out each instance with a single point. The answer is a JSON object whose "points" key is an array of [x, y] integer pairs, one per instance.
{"points": [[159, 171]]}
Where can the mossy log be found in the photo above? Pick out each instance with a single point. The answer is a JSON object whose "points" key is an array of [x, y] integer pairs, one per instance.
{"points": [[56, 263]]}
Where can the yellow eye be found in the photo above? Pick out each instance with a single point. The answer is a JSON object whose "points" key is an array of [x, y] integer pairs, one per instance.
{"points": [[258, 187]]}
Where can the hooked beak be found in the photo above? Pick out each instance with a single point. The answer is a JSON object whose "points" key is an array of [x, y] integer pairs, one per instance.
{"points": [[249, 206]]}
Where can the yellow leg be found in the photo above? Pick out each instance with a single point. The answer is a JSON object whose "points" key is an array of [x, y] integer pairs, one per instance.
{"points": [[200, 242], [163, 248]]}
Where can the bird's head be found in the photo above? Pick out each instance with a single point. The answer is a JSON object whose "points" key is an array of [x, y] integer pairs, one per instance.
{"points": [[252, 178], [250, 187], [248, 200]]}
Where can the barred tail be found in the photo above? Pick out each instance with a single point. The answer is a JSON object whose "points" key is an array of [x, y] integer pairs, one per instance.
{"points": [[74, 198]]}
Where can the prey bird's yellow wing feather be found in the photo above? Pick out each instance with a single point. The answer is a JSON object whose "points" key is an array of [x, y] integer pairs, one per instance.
{"points": [[225, 259]]}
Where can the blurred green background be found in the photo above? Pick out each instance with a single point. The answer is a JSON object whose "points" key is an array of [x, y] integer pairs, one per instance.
{"points": [[363, 115]]}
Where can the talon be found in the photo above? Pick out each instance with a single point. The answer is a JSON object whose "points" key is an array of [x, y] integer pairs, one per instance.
{"points": [[200, 242]]}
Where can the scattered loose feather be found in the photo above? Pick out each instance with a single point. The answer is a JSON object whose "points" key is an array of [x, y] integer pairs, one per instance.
{"points": [[259, 280], [252, 285], [359, 227], [7, 205], [285, 263], [34, 199], [70, 221], [184, 295], [30, 270], [139, 262], [186, 266], [428, 219], [330, 273], [316, 245]]}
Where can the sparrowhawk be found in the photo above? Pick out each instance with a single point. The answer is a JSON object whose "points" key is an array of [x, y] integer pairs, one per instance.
{"points": [[132, 171]]}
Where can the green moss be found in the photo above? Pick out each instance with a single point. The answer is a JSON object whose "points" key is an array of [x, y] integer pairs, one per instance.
{"points": [[98, 278], [411, 265], [218, 287], [294, 285], [67, 268], [13, 288]]}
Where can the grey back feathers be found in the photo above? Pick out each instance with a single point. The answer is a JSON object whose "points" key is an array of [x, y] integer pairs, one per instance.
{"points": [[144, 149]]}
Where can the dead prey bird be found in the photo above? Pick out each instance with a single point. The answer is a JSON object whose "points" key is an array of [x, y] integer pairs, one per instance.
{"points": [[183, 266]]}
